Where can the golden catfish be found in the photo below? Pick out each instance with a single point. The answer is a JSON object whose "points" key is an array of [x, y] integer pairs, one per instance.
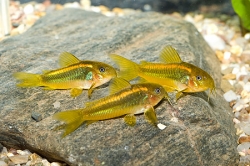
{"points": [[74, 74], [173, 73], [125, 99]]}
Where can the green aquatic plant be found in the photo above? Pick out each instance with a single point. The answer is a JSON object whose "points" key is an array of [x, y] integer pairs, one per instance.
{"points": [[242, 8]]}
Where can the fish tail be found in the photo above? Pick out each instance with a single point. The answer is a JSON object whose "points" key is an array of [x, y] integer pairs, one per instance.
{"points": [[72, 118], [28, 79], [128, 69]]}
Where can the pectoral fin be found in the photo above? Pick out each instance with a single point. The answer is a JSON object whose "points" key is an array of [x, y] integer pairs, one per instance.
{"points": [[180, 88], [150, 116], [91, 90], [168, 98], [75, 92], [178, 95], [180, 91], [130, 119]]}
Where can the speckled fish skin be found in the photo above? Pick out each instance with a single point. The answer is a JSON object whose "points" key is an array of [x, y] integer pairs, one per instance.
{"points": [[173, 74], [74, 74], [80, 75], [131, 100], [134, 99]]}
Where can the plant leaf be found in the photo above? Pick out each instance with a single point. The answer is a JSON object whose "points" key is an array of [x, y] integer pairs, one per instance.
{"points": [[242, 8]]}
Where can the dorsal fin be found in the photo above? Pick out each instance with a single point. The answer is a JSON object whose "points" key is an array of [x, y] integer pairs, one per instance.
{"points": [[66, 59], [118, 84], [169, 55]]}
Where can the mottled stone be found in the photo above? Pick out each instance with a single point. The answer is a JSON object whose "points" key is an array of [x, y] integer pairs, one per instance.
{"points": [[2, 163], [1, 147], [36, 116], [201, 134], [19, 159], [226, 86]]}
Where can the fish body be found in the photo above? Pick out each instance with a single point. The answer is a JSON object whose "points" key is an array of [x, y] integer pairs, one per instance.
{"points": [[173, 74], [74, 74], [128, 100]]}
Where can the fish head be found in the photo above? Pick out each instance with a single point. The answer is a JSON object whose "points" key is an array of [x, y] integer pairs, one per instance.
{"points": [[200, 80], [104, 72], [155, 93]]}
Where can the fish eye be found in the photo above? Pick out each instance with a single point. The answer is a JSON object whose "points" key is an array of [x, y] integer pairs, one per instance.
{"points": [[102, 69], [157, 91], [199, 78]]}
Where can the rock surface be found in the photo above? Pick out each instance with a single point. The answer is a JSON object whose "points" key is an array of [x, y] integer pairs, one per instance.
{"points": [[201, 133]]}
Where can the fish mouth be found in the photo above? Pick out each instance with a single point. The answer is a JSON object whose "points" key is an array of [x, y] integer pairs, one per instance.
{"points": [[100, 77], [105, 79]]}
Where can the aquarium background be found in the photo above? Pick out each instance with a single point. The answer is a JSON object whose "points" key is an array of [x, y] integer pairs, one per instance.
{"points": [[165, 6]]}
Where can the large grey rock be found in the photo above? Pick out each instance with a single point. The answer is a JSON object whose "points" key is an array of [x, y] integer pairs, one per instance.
{"points": [[203, 135]]}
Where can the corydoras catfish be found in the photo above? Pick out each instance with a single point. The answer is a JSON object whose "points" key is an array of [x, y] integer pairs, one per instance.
{"points": [[74, 74], [125, 99]]}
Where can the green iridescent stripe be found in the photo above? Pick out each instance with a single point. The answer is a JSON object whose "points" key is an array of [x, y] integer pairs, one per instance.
{"points": [[172, 71], [70, 75]]}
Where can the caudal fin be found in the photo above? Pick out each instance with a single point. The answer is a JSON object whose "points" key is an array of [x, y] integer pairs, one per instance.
{"points": [[27, 79], [128, 69], [72, 118]]}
